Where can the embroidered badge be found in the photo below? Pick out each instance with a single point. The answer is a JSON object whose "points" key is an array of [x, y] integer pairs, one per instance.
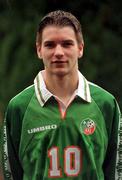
{"points": [[88, 126]]}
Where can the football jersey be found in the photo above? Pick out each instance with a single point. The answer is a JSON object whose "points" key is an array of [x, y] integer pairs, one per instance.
{"points": [[83, 144]]}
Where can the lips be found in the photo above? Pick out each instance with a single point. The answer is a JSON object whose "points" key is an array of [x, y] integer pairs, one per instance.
{"points": [[59, 62]]}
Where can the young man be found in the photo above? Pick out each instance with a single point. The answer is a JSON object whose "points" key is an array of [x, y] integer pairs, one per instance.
{"points": [[62, 127]]}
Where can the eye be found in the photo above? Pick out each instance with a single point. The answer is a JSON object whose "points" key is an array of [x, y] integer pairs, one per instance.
{"points": [[49, 45], [67, 44]]}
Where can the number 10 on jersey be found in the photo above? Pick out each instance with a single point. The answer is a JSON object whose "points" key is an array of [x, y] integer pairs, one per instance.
{"points": [[72, 159]]}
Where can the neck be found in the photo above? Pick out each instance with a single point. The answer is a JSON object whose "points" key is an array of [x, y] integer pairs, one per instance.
{"points": [[61, 86]]}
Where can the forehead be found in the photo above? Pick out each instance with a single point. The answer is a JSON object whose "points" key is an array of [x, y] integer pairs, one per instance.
{"points": [[58, 33]]}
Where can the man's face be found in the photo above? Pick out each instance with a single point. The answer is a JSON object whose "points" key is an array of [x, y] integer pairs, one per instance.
{"points": [[59, 50]]}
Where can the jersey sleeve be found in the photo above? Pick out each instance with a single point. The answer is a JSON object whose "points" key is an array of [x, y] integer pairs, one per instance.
{"points": [[12, 134], [10, 142], [113, 162]]}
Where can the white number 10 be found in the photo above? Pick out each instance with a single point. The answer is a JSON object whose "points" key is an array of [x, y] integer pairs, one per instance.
{"points": [[72, 161]]}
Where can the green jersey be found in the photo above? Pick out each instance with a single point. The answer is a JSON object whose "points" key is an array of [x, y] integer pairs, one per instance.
{"points": [[84, 143]]}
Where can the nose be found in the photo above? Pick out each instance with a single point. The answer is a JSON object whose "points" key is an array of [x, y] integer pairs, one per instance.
{"points": [[58, 51]]}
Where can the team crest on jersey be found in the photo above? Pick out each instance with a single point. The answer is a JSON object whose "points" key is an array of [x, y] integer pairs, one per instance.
{"points": [[88, 126]]}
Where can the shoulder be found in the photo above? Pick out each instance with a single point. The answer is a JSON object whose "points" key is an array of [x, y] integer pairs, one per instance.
{"points": [[99, 94], [21, 100], [104, 100]]}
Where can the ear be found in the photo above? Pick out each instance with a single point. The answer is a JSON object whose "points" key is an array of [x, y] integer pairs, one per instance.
{"points": [[38, 50], [81, 46]]}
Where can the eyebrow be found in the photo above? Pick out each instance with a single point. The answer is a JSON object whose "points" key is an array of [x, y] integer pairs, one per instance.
{"points": [[63, 41], [68, 41], [46, 42]]}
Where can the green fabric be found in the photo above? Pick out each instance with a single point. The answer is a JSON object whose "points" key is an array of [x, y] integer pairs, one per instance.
{"points": [[34, 131]]}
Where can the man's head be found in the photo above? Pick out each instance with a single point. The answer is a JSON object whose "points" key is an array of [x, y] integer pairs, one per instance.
{"points": [[61, 19]]}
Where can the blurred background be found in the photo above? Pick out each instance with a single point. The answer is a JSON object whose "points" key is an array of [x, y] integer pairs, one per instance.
{"points": [[102, 29]]}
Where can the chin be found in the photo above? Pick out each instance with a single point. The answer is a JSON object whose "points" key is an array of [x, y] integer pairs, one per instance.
{"points": [[60, 73]]}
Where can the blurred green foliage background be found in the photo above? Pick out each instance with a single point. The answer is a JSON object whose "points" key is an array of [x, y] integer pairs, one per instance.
{"points": [[102, 28]]}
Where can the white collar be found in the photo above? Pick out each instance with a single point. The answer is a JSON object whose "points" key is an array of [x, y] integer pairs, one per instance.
{"points": [[43, 94]]}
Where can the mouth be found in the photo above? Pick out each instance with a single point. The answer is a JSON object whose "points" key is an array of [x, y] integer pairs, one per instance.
{"points": [[59, 62]]}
